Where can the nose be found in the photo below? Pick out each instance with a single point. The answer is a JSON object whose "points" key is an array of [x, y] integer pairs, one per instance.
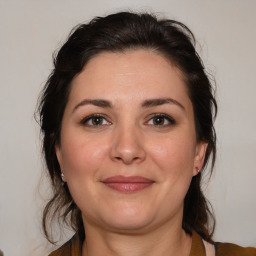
{"points": [[128, 146]]}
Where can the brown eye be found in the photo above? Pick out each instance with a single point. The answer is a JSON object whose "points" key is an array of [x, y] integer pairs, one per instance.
{"points": [[95, 121], [161, 120]]}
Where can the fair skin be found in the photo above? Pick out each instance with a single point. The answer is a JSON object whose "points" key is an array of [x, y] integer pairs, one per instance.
{"points": [[129, 115]]}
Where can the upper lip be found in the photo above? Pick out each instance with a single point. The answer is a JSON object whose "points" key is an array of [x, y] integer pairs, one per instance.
{"points": [[127, 179]]}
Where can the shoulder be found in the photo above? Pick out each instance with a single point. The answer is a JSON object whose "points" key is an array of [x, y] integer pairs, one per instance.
{"points": [[199, 247], [70, 248], [64, 250], [229, 249]]}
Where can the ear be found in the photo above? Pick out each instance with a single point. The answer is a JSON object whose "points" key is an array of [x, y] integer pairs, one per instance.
{"points": [[58, 153], [201, 148]]}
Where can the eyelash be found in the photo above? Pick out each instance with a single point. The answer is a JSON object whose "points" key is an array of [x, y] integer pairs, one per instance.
{"points": [[85, 121], [169, 119]]}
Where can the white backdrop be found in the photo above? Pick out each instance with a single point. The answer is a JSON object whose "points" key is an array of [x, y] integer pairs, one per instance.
{"points": [[31, 30]]}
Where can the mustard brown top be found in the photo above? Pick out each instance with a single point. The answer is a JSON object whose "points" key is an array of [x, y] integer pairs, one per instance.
{"points": [[74, 248]]}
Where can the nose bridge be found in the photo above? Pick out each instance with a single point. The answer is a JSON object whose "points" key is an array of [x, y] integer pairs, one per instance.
{"points": [[127, 143]]}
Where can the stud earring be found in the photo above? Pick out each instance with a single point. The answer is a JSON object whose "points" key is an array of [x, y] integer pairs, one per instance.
{"points": [[197, 170], [62, 176]]}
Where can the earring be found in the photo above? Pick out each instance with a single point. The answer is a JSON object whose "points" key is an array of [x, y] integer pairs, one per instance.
{"points": [[197, 170], [62, 177]]}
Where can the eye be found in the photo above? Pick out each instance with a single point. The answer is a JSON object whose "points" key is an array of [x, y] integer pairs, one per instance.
{"points": [[161, 120], [95, 120]]}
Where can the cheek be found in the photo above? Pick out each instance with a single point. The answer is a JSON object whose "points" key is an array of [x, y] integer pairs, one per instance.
{"points": [[173, 157], [175, 154], [82, 156]]}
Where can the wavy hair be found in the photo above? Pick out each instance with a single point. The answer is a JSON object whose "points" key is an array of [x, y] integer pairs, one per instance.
{"points": [[120, 32]]}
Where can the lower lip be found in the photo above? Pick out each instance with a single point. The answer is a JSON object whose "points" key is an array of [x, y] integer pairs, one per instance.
{"points": [[128, 187]]}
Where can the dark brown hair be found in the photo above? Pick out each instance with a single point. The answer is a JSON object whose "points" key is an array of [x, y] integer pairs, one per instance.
{"points": [[117, 33]]}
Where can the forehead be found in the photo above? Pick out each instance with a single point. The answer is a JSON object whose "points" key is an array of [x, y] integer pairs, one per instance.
{"points": [[129, 75]]}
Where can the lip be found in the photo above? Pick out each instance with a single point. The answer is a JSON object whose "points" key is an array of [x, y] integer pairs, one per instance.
{"points": [[127, 184]]}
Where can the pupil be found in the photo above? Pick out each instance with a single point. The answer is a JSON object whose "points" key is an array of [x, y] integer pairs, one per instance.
{"points": [[158, 120], [97, 120]]}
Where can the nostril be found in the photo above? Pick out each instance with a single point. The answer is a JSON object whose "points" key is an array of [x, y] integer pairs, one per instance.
{"points": [[127, 159], [127, 149]]}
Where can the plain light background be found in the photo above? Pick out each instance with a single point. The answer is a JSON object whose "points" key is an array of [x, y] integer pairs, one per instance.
{"points": [[29, 33]]}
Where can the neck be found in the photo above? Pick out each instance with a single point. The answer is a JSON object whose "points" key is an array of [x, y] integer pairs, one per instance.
{"points": [[163, 241]]}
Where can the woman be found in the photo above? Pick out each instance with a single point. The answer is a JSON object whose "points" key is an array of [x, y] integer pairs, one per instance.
{"points": [[127, 122]]}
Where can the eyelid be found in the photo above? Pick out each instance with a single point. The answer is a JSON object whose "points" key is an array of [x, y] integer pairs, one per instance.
{"points": [[84, 120], [171, 121], [169, 118]]}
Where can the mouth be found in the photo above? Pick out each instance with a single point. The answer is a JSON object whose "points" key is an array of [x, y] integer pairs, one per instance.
{"points": [[128, 184]]}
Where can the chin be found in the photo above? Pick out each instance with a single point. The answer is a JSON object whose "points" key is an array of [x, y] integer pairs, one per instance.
{"points": [[128, 220], [129, 226]]}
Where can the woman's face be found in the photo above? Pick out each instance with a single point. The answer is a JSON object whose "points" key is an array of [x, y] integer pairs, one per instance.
{"points": [[128, 143]]}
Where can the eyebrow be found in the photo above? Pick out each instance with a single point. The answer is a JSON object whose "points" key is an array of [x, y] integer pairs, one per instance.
{"points": [[146, 104], [161, 101], [97, 102]]}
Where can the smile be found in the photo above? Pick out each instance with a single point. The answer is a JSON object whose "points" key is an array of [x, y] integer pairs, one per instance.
{"points": [[127, 184]]}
